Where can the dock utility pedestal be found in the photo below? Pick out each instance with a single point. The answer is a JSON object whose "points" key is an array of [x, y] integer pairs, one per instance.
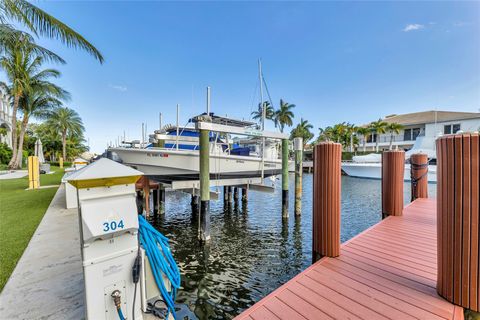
{"points": [[109, 238]]}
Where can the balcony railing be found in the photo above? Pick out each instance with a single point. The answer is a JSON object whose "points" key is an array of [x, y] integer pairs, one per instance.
{"points": [[385, 138]]}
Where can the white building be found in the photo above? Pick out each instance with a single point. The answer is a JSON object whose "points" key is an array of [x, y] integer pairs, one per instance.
{"points": [[426, 123], [5, 120]]}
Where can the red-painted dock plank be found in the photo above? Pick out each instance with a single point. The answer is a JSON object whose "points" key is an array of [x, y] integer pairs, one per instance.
{"points": [[388, 271]]}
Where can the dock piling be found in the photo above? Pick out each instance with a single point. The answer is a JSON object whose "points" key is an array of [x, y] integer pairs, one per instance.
{"points": [[458, 218], [298, 147], [235, 194], [245, 194], [326, 200], [284, 178], [393, 168], [419, 176], [156, 202], [161, 200], [204, 226]]}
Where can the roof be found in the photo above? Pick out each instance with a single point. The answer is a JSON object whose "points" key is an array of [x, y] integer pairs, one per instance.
{"points": [[429, 117], [103, 172]]}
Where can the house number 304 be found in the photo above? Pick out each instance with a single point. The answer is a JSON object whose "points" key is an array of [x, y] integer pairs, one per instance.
{"points": [[112, 226]]}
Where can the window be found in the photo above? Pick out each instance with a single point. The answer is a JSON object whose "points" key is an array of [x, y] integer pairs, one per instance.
{"points": [[407, 134], [451, 128], [415, 133]]}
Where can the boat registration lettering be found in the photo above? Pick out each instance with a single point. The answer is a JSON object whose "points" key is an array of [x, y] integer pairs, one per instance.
{"points": [[113, 225], [159, 155]]}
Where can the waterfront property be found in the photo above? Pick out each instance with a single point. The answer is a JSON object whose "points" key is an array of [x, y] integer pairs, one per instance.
{"points": [[5, 120], [430, 124]]}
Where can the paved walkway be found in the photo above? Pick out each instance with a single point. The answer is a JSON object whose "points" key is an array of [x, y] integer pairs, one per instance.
{"points": [[47, 282], [13, 175]]}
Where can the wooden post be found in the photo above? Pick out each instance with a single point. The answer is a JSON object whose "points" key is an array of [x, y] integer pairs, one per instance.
{"points": [[235, 195], [33, 172], [204, 226], [161, 199], [229, 198], [225, 195], [156, 204], [60, 162], [245, 194], [326, 199], [419, 176], [298, 147], [393, 168], [458, 218], [285, 178], [146, 195]]}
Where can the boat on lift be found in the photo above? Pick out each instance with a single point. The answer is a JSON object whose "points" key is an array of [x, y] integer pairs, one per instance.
{"points": [[174, 154], [370, 166]]}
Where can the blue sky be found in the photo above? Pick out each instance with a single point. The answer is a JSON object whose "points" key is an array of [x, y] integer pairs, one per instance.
{"points": [[337, 61]]}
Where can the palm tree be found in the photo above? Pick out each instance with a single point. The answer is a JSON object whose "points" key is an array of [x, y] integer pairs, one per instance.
{"points": [[269, 112], [302, 130], [378, 127], [284, 115], [38, 103], [68, 123], [365, 132], [40, 23], [22, 65], [393, 128]]}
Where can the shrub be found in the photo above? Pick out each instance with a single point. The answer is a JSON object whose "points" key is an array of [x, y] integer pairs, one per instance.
{"points": [[5, 153]]}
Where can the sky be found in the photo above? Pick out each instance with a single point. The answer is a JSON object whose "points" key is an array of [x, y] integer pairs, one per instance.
{"points": [[336, 61]]}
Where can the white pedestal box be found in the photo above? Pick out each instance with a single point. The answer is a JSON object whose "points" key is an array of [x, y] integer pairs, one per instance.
{"points": [[109, 237]]}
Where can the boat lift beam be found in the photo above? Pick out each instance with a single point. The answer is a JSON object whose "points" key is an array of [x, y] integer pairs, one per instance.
{"points": [[253, 183], [239, 130]]}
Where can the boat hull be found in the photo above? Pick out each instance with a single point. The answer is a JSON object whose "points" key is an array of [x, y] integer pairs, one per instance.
{"points": [[374, 171], [167, 165]]}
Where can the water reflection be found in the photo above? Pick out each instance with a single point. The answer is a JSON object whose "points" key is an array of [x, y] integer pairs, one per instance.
{"points": [[253, 250]]}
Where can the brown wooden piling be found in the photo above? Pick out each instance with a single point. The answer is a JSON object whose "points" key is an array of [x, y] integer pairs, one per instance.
{"points": [[326, 199], [458, 158], [393, 167], [419, 176]]}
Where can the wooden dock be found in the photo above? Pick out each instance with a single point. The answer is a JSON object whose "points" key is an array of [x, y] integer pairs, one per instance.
{"points": [[388, 271]]}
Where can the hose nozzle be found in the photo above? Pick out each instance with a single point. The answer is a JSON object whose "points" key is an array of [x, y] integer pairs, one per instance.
{"points": [[116, 298]]}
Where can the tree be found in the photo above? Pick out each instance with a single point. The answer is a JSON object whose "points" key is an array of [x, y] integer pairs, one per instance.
{"points": [[302, 130], [68, 123], [393, 128], [41, 98], [284, 115], [22, 63], [377, 127], [269, 112], [365, 132], [40, 23]]}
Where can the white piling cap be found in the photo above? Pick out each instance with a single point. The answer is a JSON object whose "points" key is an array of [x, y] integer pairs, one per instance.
{"points": [[102, 173], [297, 143]]}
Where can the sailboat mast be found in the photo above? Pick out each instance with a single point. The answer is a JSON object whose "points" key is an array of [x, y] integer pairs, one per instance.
{"points": [[264, 114]]}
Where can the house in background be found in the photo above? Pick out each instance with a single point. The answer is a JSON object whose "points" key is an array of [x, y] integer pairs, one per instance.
{"points": [[5, 120], [426, 123]]}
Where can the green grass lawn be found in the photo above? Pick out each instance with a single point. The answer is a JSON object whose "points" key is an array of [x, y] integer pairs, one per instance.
{"points": [[20, 213]]}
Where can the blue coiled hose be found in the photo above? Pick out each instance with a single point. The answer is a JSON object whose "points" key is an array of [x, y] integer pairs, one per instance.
{"points": [[161, 261]]}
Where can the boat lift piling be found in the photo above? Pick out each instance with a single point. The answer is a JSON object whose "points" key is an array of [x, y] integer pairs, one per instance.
{"points": [[298, 148], [204, 225], [284, 178]]}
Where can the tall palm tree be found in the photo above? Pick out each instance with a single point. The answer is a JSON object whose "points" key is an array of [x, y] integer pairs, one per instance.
{"points": [[302, 130], [365, 132], [284, 115], [22, 65], [269, 112], [68, 123], [40, 23], [38, 104], [378, 127], [393, 128]]}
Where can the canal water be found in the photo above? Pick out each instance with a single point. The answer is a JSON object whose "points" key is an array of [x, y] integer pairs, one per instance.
{"points": [[252, 251]]}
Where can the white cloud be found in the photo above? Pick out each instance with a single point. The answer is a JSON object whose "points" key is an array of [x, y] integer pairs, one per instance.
{"points": [[118, 87], [413, 27]]}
